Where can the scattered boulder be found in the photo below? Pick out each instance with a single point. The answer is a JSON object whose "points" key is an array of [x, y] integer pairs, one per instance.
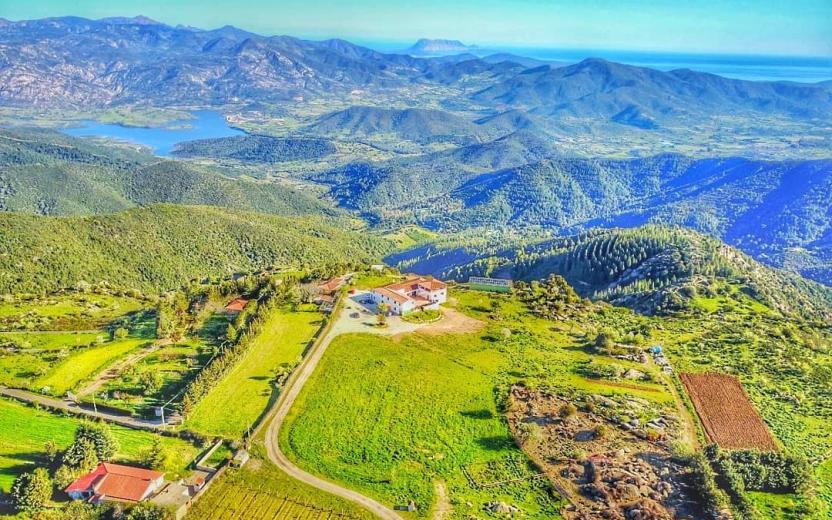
{"points": [[502, 507]]}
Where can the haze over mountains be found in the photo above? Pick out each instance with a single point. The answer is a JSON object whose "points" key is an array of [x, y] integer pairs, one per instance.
{"points": [[452, 143], [115, 61]]}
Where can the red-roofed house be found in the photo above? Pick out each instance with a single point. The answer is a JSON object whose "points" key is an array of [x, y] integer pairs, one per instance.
{"points": [[236, 305], [116, 483], [413, 293]]}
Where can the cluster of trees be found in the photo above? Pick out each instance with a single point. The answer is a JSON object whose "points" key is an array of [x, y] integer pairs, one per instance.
{"points": [[741, 471], [240, 335], [654, 269], [551, 298], [93, 443], [159, 247]]}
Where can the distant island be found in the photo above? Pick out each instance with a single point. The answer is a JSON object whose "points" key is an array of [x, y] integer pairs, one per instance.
{"points": [[433, 47]]}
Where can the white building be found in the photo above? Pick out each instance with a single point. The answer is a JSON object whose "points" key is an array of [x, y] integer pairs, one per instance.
{"points": [[413, 293]]}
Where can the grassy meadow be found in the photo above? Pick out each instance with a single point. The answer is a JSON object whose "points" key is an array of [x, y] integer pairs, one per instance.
{"points": [[71, 311], [240, 398], [67, 374], [394, 417], [24, 430], [397, 417]]}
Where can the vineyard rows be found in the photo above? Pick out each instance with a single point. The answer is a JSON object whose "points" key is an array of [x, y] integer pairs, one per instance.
{"points": [[233, 502]]}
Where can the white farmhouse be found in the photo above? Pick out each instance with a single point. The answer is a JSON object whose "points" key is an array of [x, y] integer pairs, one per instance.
{"points": [[412, 294]]}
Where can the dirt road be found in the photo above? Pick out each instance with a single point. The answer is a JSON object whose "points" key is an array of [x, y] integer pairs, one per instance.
{"points": [[284, 404]]}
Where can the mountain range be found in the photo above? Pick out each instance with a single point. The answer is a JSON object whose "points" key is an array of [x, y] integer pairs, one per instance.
{"points": [[767, 208], [78, 62], [496, 143]]}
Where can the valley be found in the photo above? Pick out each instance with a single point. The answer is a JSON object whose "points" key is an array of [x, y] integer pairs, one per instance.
{"points": [[207, 237]]}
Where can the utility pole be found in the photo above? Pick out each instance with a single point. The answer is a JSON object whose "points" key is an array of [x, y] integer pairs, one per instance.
{"points": [[94, 406]]}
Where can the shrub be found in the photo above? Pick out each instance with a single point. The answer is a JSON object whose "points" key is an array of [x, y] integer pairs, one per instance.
{"points": [[567, 410], [32, 491]]}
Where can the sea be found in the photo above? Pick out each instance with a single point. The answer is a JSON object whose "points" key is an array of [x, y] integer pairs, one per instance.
{"points": [[802, 69]]}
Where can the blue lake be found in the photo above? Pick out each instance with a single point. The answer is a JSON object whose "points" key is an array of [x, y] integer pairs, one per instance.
{"points": [[205, 125]]}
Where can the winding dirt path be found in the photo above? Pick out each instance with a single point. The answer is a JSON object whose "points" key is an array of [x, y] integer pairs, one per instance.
{"points": [[114, 370], [284, 403]]}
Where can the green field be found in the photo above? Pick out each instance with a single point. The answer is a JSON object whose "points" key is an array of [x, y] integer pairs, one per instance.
{"points": [[81, 366], [394, 418], [242, 396], [24, 430]]}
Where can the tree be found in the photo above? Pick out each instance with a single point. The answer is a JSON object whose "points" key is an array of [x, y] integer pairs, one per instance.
{"points": [[147, 511], [156, 457], [64, 476], [81, 456], [231, 333], [120, 333], [50, 448], [381, 317], [99, 434], [32, 491], [150, 382]]}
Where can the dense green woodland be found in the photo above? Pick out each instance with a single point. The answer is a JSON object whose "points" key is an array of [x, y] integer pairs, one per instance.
{"points": [[651, 269], [51, 174], [257, 148], [164, 246]]}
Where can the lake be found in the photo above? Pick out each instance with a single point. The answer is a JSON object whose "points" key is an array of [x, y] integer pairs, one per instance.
{"points": [[206, 124]]}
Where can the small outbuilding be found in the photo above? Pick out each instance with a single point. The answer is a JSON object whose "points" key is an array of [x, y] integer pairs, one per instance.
{"points": [[240, 458]]}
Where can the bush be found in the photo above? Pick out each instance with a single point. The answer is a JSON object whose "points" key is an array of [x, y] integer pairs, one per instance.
{"points": [[148, 511], [32, 491], [567, 410]]}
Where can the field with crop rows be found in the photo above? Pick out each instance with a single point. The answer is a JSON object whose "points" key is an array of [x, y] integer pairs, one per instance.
{"points": [[727, 415], [230, 500]]}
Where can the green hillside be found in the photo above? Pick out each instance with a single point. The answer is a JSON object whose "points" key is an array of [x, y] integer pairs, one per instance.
{"points": [[163, 246], [651, 269], [51, 174]]}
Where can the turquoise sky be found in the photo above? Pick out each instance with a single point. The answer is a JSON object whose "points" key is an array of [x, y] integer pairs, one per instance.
{"points": [[801, 27]]}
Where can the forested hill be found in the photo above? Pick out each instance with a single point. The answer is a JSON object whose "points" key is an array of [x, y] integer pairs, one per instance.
{"points": [[51, 174], [766, 208], [652, 269], [257, 148], [163, 246]]}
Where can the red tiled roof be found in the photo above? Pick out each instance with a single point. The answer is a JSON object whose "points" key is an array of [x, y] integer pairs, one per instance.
{"points": [[332, 285], [411, 284], [117, 481], [236, 305], [84, 482]]}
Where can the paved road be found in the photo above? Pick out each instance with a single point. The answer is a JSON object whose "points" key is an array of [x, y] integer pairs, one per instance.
{"points": [[284, 404], [68, 406]]}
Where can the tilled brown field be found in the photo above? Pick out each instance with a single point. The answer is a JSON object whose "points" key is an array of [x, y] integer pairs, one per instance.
{"points": [[726, 413]]}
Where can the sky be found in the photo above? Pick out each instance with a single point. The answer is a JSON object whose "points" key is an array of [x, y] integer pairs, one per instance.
{"points": [[773, 27]]}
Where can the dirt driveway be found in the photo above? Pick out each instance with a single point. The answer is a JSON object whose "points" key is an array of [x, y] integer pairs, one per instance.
{"points": [[359, 315]]}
